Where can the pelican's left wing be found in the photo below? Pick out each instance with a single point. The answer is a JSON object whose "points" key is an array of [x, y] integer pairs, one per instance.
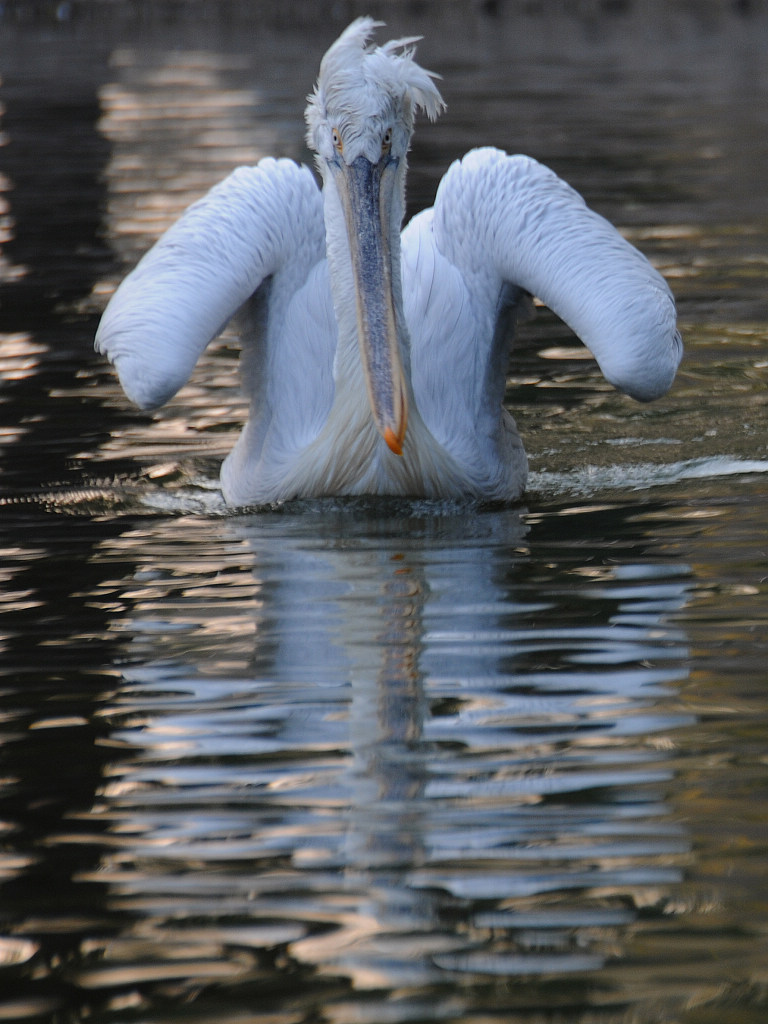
{"points": [[260, 222], [508, 219]]}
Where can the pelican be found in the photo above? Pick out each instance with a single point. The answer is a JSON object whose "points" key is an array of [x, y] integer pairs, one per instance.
{"points": [[375, 361]]}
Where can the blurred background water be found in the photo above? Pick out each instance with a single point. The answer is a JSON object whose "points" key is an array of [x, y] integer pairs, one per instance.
{"points": [[384, 761]]}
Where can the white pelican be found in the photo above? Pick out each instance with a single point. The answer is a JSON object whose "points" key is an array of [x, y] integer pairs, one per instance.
{"points": [[375, 363]]}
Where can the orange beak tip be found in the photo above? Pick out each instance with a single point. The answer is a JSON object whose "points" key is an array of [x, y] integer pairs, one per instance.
{"points": [[394, 443]]}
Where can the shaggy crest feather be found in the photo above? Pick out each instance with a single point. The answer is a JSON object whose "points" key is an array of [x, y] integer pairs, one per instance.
{"points": [[354, 78]]}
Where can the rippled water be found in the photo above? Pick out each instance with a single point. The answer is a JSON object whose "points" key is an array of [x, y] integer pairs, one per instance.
{"points": [[384, 761]]}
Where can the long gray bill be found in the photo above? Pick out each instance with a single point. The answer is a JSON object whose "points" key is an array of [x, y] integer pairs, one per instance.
{"points": [[367, 200]]}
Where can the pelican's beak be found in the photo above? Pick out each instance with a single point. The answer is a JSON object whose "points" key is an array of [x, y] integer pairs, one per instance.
{"points": [[366, 191]]}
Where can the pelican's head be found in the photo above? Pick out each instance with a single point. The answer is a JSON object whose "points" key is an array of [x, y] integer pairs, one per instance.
{"points": [[360, 120]]}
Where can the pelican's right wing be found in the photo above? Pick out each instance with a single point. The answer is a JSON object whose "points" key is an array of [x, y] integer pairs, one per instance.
{"points": [[259, 222], [508, 219]]}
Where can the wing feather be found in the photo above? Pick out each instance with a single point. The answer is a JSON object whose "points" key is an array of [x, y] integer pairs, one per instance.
{"points": [[503, 218], [259, 222]]}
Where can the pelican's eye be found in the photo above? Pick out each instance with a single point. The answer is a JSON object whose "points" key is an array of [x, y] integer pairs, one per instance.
{"points": [[337, 142], [386, 142]]}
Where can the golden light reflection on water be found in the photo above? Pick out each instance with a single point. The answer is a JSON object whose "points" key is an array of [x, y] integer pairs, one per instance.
{"points": [[20, 356], [177, 126]]}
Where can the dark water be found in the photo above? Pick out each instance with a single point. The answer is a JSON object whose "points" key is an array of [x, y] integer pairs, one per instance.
{"points": [[376, 762]]}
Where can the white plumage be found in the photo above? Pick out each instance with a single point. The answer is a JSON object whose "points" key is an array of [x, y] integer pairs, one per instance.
{"points": [[375, 363]]}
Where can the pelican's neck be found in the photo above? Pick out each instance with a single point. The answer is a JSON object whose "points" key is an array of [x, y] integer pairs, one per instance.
{"points": [[349, 455]]}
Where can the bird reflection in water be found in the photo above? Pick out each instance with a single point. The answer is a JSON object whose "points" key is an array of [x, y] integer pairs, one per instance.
{"points": [[423, 763]]}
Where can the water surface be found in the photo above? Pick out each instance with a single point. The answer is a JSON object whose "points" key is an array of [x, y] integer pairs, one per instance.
{"points": [[383, 761]]}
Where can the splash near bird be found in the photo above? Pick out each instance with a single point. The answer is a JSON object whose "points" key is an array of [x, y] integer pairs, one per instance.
{"points": [[375, 361]]}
